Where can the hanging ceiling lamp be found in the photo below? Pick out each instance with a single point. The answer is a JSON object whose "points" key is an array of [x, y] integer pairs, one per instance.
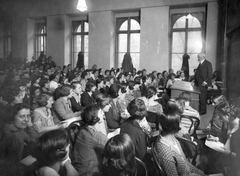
{"points": [[82, 6]]}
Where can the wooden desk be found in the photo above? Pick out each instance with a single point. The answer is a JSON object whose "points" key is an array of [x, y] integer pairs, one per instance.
{"points": [[180, 86]]}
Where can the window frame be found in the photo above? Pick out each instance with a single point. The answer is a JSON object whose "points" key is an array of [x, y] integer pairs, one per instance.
{"points": [[184, 11], [82, 34], [40, 25], [7, 37], [119, 22]]}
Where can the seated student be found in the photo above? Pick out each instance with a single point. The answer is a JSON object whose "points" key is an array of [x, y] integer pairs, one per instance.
{"points": [[137, 127], [113, 117], [169, 151], [42, 116], [188, 110], [54, 78], [122, 101], [17, 121], [104, 106], [62, 106], [9, 149], [150, 101], [90, 142], [87, 97], [52, 152], [76, 96], [170, 80], [119, 157]]}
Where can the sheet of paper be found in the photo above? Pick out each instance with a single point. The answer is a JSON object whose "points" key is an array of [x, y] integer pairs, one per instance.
{"points": [[114, 133], [28, 160], [217, 146], [73, 119]]}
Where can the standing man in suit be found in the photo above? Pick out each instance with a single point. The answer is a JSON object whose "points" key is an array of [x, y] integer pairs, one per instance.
{"points": [[203, 78]]}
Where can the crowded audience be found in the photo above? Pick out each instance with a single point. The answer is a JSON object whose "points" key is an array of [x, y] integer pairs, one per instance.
{"points": [[119, 115]]}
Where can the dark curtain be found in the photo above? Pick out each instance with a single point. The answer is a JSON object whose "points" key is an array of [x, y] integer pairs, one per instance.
{"points": [[80, 61], [127, 64], [185, 65]]}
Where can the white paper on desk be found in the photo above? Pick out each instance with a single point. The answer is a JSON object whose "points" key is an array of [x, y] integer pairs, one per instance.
{"points": [[70, 120], [114, 133], [28, 160], [218, 146], [155, 133], [219, 174]]}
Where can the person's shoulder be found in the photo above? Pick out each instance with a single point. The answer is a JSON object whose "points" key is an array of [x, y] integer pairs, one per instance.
{"points": [[47, 171]]}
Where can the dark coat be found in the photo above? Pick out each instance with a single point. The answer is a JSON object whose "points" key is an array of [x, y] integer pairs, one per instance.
{"points": [[139, 138], [204, 73]]}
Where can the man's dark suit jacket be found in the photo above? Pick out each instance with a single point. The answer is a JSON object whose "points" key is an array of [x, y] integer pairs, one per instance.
{"points": [[204, 73]]}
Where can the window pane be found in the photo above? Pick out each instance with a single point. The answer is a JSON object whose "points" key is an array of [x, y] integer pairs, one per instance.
{"points": [[86, 60], [135, 42], [194, 42], [193, 22], [79, 28], [86, 27], [178, 42], [124, 26], [86, 43], [180, 23], [75, 58], [134, 25], [193, 63], [176, 62], [120, 59], [122, 43], [78, 44], [135, 60]]}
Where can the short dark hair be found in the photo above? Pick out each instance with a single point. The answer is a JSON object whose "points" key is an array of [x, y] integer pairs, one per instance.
{"points": [[84, 73], [119, 156], [89, 86], [169, 123], [113, 90], [65, 90], [137, 109], [151, 91], [43, 82], [42, 99], [14, 111], [74, 84], [123, 87], [102, 100], [185, 96], [90, 115], [176, 104], [51, 147]]}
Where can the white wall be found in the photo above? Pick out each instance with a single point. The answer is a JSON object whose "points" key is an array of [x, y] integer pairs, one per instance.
{"points": [[154, 15], [154, 38]]}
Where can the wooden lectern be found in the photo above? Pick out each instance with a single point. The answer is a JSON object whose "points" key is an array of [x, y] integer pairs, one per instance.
{"points": [[180, 86]]}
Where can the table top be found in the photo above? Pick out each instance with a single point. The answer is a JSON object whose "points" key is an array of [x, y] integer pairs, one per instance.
{"points": [[185, 86]]}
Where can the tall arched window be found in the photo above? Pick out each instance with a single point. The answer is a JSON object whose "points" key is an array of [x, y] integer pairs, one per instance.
{"points": [[7, 41], [80, 41], [187, 37], [128, 40], [40, 39]]}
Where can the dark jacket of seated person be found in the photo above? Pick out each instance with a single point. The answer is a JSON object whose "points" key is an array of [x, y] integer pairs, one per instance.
{"points": [[137, 127], [87, 97]]}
